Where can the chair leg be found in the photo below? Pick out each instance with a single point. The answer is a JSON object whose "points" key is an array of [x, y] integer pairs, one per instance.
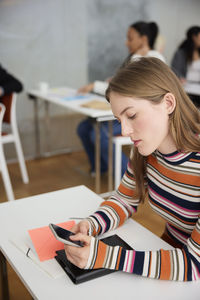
{"points": [[118, 164], [5, 176], [4, 277], [21, 158]]}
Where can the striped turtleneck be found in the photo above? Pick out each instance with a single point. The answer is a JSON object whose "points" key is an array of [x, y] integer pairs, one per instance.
{"points": [[173, 184]]}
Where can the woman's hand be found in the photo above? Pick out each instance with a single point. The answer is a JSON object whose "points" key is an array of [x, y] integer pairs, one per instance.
{"points": [[86, 89], [78, 255], [81, 227]]}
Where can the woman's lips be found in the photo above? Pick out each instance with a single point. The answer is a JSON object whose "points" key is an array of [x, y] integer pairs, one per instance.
{"points": [[136, 142]]}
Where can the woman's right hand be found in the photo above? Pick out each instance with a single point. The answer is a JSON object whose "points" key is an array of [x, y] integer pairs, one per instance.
{"points": [[86, 88], [81, 227]]}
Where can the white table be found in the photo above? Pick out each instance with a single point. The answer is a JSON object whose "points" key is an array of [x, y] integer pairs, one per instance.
{"points": [[18, 216], [56, 96]]}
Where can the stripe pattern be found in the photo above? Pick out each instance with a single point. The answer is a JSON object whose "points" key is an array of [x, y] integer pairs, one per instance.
{"points": [[173, 183]]}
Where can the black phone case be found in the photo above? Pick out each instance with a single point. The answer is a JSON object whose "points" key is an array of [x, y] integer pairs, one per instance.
{"points": [[78, 275]]}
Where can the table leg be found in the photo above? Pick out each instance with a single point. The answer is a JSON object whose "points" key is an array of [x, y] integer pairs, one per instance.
{"points": [[4, 277], [97, 157], [37, 130], [47, 127], [110, 157]]}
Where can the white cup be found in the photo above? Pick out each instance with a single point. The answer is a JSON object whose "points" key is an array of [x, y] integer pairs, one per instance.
{"points": [[43, 87]]}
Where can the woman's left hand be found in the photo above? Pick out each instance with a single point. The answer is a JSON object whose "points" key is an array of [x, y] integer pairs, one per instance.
{"points": [[78, 255]]}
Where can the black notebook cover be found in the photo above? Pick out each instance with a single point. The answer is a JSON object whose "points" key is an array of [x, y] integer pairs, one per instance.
{"points": [[78, 275]]}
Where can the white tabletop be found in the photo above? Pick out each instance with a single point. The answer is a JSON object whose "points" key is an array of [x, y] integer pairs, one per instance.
{"points": [[60, 96], [18, 216]]}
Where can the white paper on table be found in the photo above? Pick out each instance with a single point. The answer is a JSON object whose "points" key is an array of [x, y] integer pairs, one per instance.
{"points": [[51, 266], [62, 92]]}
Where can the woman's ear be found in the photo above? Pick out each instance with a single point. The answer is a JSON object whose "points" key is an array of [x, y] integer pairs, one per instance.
{"points": [[170, 102]]}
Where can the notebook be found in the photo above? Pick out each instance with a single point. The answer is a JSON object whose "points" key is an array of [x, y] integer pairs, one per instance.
{"points": [[78, 275], [45, 243], [97, 104]]}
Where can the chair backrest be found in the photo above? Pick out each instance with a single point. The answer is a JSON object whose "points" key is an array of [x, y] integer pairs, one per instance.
{"points": [[7, 100], [2, 112], [10, 117]]}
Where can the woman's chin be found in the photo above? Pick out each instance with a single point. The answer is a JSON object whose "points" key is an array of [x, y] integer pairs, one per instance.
{"points": [[145, 152]]}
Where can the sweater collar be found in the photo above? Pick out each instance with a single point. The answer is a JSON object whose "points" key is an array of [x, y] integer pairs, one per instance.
{"points": [[175, 157]]}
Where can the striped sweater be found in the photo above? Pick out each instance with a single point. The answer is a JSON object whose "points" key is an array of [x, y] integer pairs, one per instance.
{"points": [[173, 184]]}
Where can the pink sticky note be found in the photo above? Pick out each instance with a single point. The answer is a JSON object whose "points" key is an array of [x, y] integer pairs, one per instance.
{"points": [[44, 241]]}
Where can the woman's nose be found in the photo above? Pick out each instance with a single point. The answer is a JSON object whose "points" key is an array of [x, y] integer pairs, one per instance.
{"points": [[126, 130]]}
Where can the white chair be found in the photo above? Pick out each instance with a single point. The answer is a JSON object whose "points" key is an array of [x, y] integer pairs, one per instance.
{"points": [[4, 169], [119, 141], [9, 102]]}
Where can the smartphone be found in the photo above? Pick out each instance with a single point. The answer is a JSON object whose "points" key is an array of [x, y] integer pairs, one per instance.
{"points": [[63, 235]]}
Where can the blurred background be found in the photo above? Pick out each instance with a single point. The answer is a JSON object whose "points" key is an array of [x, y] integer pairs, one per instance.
{"points": [[72, 42]]}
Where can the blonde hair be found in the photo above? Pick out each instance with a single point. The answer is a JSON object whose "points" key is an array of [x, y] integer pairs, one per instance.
{"points": [[150, 79]]}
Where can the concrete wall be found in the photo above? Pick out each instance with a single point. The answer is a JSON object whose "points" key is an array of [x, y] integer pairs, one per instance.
{"points": [[107, 25], [43, 41], [71, 42]]}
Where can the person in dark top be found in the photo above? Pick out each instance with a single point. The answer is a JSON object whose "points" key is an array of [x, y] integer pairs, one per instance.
{"points": [[8, 83], [186, 60]]}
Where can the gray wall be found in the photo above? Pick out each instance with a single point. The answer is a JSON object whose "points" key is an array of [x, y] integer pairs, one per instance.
{"points": [[108, 21], [43, 41], [107, 24], [71, 42]]}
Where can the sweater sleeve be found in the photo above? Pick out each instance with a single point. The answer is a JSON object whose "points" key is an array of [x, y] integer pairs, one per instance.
{"points": [[100, 87], [178, 264], [118, 208]]}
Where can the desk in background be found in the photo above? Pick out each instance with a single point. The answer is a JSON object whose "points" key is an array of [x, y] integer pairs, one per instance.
{"points": [[36, 211], [58, 96]]}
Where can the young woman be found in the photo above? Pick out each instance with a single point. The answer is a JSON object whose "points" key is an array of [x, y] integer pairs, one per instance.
{"points": [[140, 41], [186, 60], [164, 125]]}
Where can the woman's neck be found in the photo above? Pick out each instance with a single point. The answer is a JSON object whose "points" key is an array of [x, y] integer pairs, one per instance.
{"points": [[196, 55], [143, 50], [168, 145]]}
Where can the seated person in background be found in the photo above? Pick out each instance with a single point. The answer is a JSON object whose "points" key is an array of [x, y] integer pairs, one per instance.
{"points": [[140, 41], [8, 83], [186, 60], [164, 125]]}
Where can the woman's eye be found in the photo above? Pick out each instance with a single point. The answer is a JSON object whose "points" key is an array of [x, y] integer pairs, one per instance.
{"points": [[131, 117]]}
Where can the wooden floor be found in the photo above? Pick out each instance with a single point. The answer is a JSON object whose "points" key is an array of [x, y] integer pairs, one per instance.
{"points": [[59, 172]]}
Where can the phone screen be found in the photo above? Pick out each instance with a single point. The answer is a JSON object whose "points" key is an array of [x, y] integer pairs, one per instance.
{"points": [[65, 234]]}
